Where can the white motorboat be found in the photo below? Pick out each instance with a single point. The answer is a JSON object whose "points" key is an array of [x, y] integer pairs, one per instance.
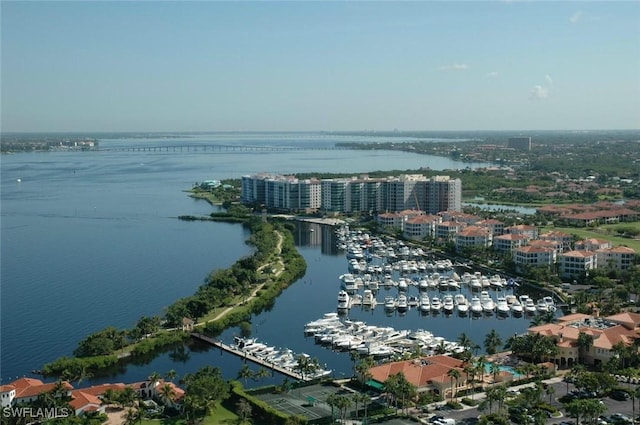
{"points": [[448, 304], [516, 308], [453, 285], [497, 282], [542, 306], [530, 306], [343, 300], [551, 304], [402, 285], [461, 303], [402, 303], [368, 298], [476, 305], [436, 304], [413, 301], [389, 303], [425, 305], [502, 307], [488, 305], [475, 284], [423, 284]]}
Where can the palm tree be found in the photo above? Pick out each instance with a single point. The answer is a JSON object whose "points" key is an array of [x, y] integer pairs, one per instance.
{"points": [[131, 417], [550, 391], [167, 394], [470, 371], [492, 342], [154, 379], [332, 401], [128, 397], [464, 341], [363, 369], [243, 408], [171, 375], [454, 374], [245, 373], [585, 341], [261, 374], [494, 369], [361, 398]]}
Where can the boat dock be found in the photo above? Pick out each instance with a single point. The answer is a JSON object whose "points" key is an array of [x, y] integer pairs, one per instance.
{"points": [[229, 349]]}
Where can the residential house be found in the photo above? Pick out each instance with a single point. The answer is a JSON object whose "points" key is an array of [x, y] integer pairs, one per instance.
{"points": [[606, 333]]}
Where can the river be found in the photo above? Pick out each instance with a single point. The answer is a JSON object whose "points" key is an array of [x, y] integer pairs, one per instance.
{"points": [[90, 239]]}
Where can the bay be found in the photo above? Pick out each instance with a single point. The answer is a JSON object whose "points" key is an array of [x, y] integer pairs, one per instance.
{"points": [[90, 239]]}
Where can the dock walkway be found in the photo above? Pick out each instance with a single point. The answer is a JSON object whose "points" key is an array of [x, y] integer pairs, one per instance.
{"points": [[247, 356]]}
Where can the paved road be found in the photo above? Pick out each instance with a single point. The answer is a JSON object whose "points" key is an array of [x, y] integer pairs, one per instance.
{"points": [[469, 415]]}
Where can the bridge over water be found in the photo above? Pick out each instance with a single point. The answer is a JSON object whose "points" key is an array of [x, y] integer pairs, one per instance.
{"points": [[217, 148]]}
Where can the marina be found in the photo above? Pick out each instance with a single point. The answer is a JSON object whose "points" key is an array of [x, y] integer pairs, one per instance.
{"points": [[283, 361], [378, 265]]}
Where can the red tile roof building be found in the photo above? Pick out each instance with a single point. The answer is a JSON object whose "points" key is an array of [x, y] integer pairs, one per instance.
{"points": [[606, 332], [425, 373]]}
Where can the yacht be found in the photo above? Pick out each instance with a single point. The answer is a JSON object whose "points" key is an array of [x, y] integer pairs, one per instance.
{"points": [[389, 303], [530, 306], [413, 301], [368, 298], [343, 300], [516, 308], [402, 303], [488, 305], [436, 304], [502, 306], [448, 304], [476, 305], [542, 306], [461, 303], [475, 284], [402, 284], [453, 285], [425, 305], [497, 282]]}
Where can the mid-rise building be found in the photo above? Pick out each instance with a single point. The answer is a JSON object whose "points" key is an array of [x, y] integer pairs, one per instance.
{"points": [[520, 143], [573, 264], [473, 237], [443, 194]]}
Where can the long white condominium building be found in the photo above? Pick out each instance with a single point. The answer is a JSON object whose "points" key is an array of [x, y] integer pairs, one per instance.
{"points": [[282, 192], [355, 194]]}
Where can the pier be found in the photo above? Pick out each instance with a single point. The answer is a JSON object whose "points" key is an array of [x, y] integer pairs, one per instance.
{"points": [[229, 349]]}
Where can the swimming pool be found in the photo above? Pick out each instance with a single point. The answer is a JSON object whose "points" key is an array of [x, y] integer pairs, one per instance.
{"points": [[510, 369]]}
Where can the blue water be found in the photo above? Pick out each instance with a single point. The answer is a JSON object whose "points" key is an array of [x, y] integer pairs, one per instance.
{"points": [[504, 368], [90, 239]]}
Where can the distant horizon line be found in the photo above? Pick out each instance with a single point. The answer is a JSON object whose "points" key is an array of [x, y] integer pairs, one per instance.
{"points": [[393, 131]]}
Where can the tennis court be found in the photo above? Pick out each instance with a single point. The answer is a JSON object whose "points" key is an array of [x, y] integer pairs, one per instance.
{"points": [[309, 401]]}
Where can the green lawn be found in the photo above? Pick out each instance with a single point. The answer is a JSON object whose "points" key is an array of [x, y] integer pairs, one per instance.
{"points": [[601, 232], [220, 416]]}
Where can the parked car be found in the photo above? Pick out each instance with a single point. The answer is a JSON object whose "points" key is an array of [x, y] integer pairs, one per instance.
{"points": [[620, 395]]}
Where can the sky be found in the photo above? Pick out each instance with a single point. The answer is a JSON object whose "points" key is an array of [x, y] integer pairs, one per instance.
{"points": [[319, 66]]}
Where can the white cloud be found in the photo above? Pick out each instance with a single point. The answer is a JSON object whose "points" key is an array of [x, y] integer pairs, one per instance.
{"points": [[549, 79], [492, 74], [575, 17], [455, 67], [538, 93]]}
